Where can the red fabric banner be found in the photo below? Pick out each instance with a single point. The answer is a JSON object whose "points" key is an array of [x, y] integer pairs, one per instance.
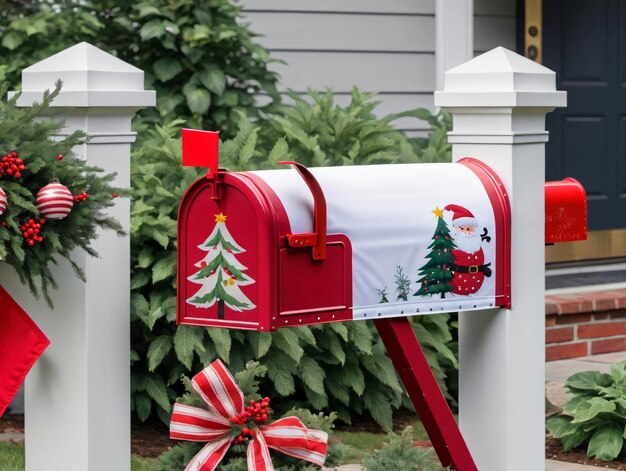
{"points": [[200, 149], [21, 344]]}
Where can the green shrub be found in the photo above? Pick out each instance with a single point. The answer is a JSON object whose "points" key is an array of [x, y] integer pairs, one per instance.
{"points": [[398, 454], [596, 416], [202, 62], [322, 367]]}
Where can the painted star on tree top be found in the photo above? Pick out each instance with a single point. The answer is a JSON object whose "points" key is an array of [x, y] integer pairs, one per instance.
{"points": [[437, 212], [220, 218]]}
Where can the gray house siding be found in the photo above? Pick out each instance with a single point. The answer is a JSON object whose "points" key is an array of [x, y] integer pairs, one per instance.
{"points": [[386, 47], [495, 23]]}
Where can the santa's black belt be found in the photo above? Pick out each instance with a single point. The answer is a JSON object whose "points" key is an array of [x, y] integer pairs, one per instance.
{"points": [[472, 269]]}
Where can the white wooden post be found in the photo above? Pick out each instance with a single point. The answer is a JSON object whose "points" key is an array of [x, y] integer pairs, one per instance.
{"points": [[498, 102], [78, 394]]}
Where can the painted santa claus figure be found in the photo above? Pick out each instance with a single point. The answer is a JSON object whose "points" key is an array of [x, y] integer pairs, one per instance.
{"points": [[469, 266]]}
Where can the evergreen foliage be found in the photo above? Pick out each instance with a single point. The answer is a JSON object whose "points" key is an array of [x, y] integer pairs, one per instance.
{"points": [[323, 367], [198, 56], [37, 143], [398, 454], [436, 275], [249, 379]]}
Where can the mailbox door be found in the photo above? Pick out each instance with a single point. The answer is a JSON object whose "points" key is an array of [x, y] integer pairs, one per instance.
{"points": [[227, 246], [309, 291]]}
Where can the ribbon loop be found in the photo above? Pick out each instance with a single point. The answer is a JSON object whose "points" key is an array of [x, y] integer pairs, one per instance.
{"points": [[291, 437], [197, 425], [219, 389]]}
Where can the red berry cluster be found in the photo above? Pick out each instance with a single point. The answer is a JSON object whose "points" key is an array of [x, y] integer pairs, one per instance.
{"points": [[82, 197], [31, 230], [12, 165], [257, 412]]}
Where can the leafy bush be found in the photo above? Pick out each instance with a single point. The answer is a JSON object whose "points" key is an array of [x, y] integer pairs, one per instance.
{"points": [[202, 62], [398, 454], [324, 367], [248, 379], [596, 416]]}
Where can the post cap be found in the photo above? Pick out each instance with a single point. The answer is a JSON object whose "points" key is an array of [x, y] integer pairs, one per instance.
{"points": [[90, 76], [500, 78]]}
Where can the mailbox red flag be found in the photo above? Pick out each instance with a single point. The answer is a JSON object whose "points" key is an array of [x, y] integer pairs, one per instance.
{"points": [[200, 149], [21, 344]]}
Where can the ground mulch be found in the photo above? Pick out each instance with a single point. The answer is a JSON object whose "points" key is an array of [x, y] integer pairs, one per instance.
{"points": [[149, 439], [13, 423], [554, 451]]}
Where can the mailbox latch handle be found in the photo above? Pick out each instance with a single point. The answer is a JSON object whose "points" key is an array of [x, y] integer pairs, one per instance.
{"points": [[317, 239]]}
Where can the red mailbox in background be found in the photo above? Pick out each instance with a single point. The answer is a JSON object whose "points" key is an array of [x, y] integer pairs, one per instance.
{"points": [[566, 211]]}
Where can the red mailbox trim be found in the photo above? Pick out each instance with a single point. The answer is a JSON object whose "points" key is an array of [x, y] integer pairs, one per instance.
{"points": [[502, 212]]}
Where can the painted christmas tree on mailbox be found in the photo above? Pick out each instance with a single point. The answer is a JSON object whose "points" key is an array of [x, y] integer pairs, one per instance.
{"points": [[435, 274], [221, 274]]}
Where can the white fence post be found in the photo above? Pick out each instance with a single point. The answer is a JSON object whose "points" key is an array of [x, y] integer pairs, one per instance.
{"points": [[498, 102], [78, 394]]}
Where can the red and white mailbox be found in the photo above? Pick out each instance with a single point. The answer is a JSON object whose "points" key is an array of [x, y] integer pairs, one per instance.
{"points": [[279, 248], [566, 211]]}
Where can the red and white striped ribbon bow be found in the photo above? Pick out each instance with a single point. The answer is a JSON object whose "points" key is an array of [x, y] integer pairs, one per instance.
{"points": [[219, 390]]}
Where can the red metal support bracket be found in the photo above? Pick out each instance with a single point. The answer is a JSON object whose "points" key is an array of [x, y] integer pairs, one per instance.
{"points": [[317, 239], [408, 358]]}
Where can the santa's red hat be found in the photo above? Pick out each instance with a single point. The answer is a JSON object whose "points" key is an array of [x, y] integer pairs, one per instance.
{"points": [[462, 216]]}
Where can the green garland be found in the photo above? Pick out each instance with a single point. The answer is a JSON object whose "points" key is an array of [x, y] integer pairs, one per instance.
{"points": [[38, 143]]}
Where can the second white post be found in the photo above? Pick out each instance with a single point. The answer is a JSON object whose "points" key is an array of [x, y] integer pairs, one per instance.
{"points": [[498, 102]]}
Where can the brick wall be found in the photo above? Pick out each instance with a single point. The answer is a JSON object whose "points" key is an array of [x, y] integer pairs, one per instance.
{"points": [[585, 324]]}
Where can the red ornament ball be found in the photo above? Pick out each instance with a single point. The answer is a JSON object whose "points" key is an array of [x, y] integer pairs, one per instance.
{"points": [[3, 201], [54, 201], [59, 157]]}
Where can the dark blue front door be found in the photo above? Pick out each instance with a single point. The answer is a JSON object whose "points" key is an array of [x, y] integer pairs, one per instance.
{"points": [[584, 41]]}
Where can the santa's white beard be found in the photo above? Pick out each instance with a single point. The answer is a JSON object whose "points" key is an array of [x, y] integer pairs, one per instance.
{"points": [[468, 243]]}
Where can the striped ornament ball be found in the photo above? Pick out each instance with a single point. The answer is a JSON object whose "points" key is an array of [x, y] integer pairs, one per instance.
{"points": [[54, 201], [3, 201]]}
